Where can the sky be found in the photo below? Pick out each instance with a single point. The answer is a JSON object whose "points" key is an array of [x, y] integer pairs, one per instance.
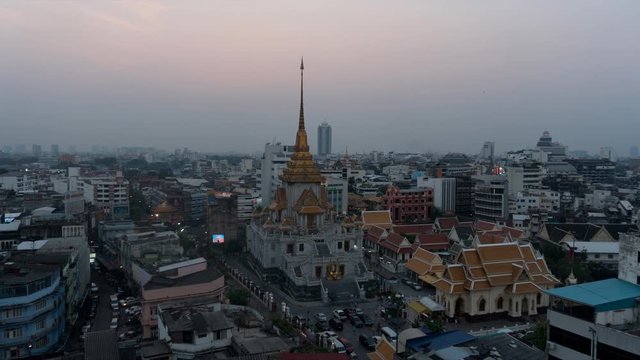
{"points": [[418, 76]]}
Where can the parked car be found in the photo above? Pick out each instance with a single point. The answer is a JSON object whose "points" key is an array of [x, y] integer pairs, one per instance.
{"points": [[322, 325], [367, 320], [368, 342], [320, 317], [350, 313], [347, 344], [359, 312], [114, 323], [94, 288], [355, 321], [133, 310], [336, 324], [340, 315], [416, 287]]}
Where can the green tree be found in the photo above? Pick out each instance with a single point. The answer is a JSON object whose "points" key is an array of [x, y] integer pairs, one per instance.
{"points": [[239, 297], [539, 336]]}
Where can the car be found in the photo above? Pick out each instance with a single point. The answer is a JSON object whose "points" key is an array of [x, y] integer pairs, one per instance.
{"points": [[114, 323], [340, 315], [94, 288], [355, 321], [359, 312], [133, 309], [336, 324], [416, 287], [85, 328], [367, 320], [368, 342], [350, 313], [347, 344], [322, 325], [320, 317]]}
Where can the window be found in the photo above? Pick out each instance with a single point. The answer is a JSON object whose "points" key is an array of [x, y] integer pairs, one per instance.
{"points": [[570, 340], [318, 271], [13, 313], [597, 256], [339, 245], [301, 247], [41, 324], [610, 256], [500, 303], [482, 305], [639, 256], [289, 248], [12, 333], [43, 341], [41, 304]]}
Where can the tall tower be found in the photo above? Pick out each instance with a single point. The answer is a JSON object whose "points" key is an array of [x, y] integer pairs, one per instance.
{"points": [[324, 139]]}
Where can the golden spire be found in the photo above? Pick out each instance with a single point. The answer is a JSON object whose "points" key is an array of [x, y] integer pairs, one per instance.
{"points": [[301, 168], [301, 136]]}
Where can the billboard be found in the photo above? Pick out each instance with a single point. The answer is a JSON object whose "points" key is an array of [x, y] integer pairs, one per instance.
{"points": [[217, 238]]}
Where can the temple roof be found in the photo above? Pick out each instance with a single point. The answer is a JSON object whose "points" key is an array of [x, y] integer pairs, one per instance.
{"points": [[301, 168]]}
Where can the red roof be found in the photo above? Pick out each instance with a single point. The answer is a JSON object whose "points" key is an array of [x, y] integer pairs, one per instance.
{"points": [[447, 223], [413, 229], [484, 225], [432, 241]]}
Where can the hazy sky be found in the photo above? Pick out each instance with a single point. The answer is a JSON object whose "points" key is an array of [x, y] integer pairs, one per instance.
{"points": [[387, 75]]}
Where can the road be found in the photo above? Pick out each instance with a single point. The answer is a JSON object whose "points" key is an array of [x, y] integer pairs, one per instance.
{"points": [[309, 309]]}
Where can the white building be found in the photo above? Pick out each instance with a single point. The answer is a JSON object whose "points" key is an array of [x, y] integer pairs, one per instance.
{"points": [[274, 160], [444, 193], [337, 193], [606, 152], [194, 332], [629, 264], [603, 252], [491, 201], [525, 202], [18, 181], [523, 177], [396, 172]]}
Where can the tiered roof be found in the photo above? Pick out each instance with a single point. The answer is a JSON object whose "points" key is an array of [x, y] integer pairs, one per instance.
{"points": [[516, 266]]}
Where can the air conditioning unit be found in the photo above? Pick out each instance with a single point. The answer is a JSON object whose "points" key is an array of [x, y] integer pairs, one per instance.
{"points": [[551, 345]]}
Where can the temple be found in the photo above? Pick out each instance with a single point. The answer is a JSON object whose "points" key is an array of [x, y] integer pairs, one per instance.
{"points": [[300, 241]]}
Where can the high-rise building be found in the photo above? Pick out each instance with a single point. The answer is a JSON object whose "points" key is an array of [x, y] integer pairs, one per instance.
{"points": [[556, 151], [274, 160], [36, 150], [487, 152], [55, 149], [606, 152], [324, 139], [491, 198], [633, 151]]}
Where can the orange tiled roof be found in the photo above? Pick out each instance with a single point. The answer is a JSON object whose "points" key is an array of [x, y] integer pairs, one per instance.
{"points": [[447, 223], [499, 252], [523, 288], [381, 218]]}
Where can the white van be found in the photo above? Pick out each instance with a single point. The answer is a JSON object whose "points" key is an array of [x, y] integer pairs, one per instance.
{"points": [[389, 334], [337, 346]]}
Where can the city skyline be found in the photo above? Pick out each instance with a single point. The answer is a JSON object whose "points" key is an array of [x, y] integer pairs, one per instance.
{"points": [[223, 82]]}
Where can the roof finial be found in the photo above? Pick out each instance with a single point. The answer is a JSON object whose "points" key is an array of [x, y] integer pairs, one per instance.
{"points": [[301, 120]]}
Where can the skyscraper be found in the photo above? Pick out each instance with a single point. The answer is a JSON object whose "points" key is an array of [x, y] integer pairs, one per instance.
{"points": [[55, 149], [324, 139]]}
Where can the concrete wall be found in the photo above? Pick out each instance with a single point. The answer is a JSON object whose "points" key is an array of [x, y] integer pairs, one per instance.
{"points": [[628, 266]]}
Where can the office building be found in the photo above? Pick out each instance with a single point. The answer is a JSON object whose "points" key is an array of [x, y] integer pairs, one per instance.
{"points": [[444, 193], [55, 149], [274, 160], [487, 152], [324, 139], [491, 201]]}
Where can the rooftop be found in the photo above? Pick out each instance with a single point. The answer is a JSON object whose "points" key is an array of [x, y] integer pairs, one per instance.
{"points": [[603, 295]]}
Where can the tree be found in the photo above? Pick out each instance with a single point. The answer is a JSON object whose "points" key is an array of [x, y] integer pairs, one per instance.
{"points": [[539, 336], [239, 297]]}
